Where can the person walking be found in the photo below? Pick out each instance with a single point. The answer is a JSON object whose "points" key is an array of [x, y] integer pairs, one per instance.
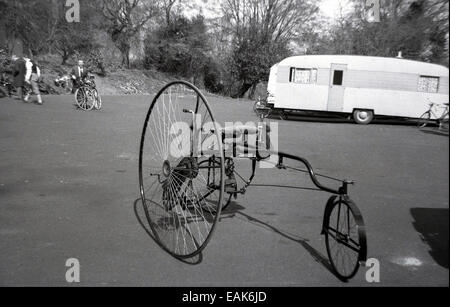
{"points": [[32, 76], [19, 71]]}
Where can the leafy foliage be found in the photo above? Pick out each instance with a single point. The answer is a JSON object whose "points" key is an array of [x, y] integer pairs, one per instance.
{"points": [[261, 32], [124, 20], [412, 27], [5, 61], [181, 48], [229, 54]]}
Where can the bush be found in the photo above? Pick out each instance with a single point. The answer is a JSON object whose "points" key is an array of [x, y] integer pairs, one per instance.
{"points": [[5, 61], [212, 78], [94, 61]]}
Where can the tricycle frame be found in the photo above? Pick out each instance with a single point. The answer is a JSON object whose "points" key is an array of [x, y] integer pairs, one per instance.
{"points": [[182, 203]]}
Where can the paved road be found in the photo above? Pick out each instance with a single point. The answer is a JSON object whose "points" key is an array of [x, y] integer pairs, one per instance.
{"points": [[69, 184]]}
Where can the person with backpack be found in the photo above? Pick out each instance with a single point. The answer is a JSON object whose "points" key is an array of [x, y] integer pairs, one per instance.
{"points": [[32, 76]]}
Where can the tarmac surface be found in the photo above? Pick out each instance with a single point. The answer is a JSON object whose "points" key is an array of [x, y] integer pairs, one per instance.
{"points": [[69, 189]]}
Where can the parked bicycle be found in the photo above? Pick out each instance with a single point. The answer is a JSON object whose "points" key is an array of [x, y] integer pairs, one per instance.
{"points": [[261, 108], [433, 116], [264, 110], [87, 96]]}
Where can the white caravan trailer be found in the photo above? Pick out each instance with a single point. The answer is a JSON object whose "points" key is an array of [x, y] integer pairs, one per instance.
{"points": [[358, 85]]}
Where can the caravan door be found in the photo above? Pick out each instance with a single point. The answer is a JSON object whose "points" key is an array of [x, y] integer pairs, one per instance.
{"points": [[337, 88]]}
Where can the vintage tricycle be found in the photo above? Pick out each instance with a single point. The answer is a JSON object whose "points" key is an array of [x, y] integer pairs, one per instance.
{"points": [[187, 177]]}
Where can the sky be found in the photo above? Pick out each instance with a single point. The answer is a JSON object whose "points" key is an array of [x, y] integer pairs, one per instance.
{"points": [[330, 8]]}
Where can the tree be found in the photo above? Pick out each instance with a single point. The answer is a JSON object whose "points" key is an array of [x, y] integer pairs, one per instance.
{"points": [[261, 32], [180, 47], [417, 28], [25, 21], [69, 39], [438, 11], [124, 20], [74, 38], [167, 6], [42, 27]]}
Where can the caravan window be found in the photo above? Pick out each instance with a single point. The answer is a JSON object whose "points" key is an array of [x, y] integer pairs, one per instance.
{"points": [[338, 76], [428, 84], [303, 75]]}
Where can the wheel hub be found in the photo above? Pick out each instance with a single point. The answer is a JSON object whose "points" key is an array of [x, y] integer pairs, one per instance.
{"points": [[166, 169], [187, 168], [363, 115]]}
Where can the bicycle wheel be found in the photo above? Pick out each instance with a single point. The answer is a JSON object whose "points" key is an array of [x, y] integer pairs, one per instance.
{"points": [[181, 170], [98, 99], [79, 97], [424, 120], [444, 120], [261, 110], [84, 99], [444, 124], [345, 237]]}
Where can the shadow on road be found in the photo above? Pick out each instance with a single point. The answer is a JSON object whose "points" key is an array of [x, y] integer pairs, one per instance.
{"points": [[286, 187], [235, 210], [432, 224], [435, 131], [140, 216]]}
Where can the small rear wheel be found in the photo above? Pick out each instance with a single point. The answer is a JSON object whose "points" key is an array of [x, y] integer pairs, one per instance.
{"points": [[345, 237], [98, 99], [363, 117]]}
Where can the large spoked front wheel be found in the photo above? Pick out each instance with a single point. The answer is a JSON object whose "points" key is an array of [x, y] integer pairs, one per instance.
{"points": [[181, 170], [345, 236]]}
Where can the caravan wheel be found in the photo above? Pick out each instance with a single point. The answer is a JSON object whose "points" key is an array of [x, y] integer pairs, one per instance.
{"points": [[363, 117]]}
